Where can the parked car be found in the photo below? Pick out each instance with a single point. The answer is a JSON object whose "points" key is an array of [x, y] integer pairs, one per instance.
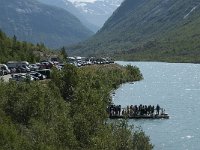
{"points": [[38, 75], [46, 72], [13, 70], [5, 69], [46, 65], [33, 67], [32, 77], [16, 64], [22, 69], [17, 77], [22, 77]]}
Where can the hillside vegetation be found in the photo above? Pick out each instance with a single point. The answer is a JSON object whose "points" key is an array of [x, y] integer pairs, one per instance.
{"points": [[12, 49], [165, 30], [68, 112]]}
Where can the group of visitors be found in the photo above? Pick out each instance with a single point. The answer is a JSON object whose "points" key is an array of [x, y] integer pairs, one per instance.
{"points": [[135, 110]]}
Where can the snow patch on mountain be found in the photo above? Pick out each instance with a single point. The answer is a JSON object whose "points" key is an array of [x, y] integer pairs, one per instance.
{"points": [[98, 7], [96, 11], [23, 11], [92, 13], [190, 12], [90, 1]]}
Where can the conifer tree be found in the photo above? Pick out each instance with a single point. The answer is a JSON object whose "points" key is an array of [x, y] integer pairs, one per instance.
{"points": [[64, 54]]}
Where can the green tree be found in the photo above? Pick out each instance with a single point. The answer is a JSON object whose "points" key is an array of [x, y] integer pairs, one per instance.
{"points": [[68, 112], [64, 54], [66, 80]]}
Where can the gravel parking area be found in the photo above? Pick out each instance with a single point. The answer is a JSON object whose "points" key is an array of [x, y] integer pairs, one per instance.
{"points": [[6, 77]]}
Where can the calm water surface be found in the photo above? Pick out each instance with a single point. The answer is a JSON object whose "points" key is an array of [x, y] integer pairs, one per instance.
{"points": [[176, 87]]}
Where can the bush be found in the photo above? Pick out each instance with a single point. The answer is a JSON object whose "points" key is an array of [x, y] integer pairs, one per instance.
{"points": [[68, 112]]}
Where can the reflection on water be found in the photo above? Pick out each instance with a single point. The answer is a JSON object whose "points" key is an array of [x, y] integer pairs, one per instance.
{"points": [[175, 87]]}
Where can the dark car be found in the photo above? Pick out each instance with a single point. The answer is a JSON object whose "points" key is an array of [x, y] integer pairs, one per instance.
{"points": [[22, 69], [46, 72], [33, 67]]}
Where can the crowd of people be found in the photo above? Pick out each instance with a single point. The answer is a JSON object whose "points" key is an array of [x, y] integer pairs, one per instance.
{"points": [[135, 110]]}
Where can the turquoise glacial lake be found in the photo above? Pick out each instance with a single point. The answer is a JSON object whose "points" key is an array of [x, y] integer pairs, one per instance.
{"points": [[176, 88]]}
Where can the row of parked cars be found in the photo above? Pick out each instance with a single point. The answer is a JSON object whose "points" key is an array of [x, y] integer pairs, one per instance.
{"points": [[25, 67], [82, 61], [31, 76], [23, 71]]}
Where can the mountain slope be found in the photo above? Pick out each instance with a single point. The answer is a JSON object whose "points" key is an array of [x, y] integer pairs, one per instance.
{"points": [[35, 22], [98, 11], [92, 14], [67, 5], [150, 30]]}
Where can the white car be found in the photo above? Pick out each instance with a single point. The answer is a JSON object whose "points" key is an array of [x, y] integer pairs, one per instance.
{"points": [[33, 67], [37, 75], [4, 69]]}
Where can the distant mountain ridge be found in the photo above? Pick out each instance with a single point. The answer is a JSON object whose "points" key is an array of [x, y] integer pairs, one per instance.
{"points": [[35, 22], [92, 14], [67, 5], [149, 29], [98, 11]]}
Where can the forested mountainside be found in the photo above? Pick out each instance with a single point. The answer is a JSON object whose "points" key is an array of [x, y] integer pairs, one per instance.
{"points": [[12, 49], [35, 22], [165, 30]]}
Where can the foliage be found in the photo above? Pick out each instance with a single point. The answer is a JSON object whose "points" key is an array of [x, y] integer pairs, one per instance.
{"points": [[12, 49], [63, 54], [66, 80], [130, 137], [68, 112], [38, 115]]}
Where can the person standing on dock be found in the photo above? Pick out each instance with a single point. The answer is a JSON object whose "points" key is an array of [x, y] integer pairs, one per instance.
{"points": [[152, 110], [119, 110], [157, 109]]}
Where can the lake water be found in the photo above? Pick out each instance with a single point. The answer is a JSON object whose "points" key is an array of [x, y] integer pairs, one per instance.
{"points": [[175, 87]]}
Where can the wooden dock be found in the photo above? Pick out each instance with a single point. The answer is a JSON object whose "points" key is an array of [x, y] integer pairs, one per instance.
{"points": [[162, 116]]}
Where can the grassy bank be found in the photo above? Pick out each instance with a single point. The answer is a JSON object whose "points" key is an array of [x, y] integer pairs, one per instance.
{"points": [[68, 112]]}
